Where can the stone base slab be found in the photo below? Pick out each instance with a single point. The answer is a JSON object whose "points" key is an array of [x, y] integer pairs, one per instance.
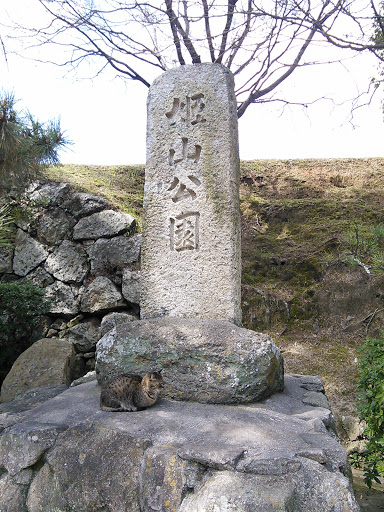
{"points": [[278, 455]]}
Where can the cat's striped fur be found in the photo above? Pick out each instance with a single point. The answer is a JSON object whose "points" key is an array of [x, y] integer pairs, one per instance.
{"points": [[130, 392]]}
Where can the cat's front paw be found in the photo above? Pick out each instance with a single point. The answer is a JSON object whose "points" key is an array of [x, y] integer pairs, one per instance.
{"points": [[130, 408]]}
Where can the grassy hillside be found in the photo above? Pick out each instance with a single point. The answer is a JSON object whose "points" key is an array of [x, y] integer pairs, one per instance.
{"points": [[313, 256]]}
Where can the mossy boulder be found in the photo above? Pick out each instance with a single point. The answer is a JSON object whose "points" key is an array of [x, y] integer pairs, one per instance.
{"points": [[203, 361]]}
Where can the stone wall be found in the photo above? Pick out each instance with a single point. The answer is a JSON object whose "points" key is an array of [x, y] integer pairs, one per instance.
{"points": [[85, 255]]}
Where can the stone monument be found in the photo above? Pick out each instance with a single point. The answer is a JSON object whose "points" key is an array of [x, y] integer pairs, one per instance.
{"points": [[191, 263]]}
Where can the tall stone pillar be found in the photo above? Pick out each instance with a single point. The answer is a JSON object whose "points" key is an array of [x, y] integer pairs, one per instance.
{"points": [[191, 262]]}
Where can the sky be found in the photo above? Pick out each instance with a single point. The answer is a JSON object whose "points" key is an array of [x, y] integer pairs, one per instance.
{"points": [[106, 117]]}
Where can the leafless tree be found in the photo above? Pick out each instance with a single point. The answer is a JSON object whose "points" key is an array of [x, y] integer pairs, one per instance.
{"points": [[262, 41]]}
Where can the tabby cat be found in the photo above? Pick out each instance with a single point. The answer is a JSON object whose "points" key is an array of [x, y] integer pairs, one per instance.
{"points": [[129, 392]]}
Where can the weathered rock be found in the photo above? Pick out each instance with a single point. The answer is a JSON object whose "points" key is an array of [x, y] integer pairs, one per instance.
{"points": [[79, 368], [98, 481], [101, 295], [321, 489], [82, 204], [118, 252], [68, 263], [131, 286], [106, 223], [54, 225], [312, 383], [48, 193], [234, 492], [6, 255], [191, 264], [10, 411], [12, 495], [165, 478], [353, 427], [352, 434], [88, 377], [75, 321], [203, 361], [44, 492], [45, 363], [84, 336], [316, 399], [180, 456], [29, 253], [110, 321], [39, 277], [90, 365], [61, 298], [22, 445], [60, 324]]}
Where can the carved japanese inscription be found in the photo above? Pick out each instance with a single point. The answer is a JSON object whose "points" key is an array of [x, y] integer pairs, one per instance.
{"points": [[185, 190], [191, 226], [184, 232], [187, 110], [182, 152]]}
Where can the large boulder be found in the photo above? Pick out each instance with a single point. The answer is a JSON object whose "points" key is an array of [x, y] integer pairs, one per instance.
{"points": [[118, 252], [107, 223], [48, 362], [85, 335], [82, 204], [61, 298], [203, 361], [29, 253], [110, 321], [275, 456], [130, 286], [68, 263], [101, 295], [47, 193], [83, 457], [234, 492], [54, 225]]}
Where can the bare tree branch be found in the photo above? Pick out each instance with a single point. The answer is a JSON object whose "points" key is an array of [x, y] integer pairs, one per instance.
{"points": [[172, 21], [262, 41], [208, 30], [229, 19], [177, 25]]}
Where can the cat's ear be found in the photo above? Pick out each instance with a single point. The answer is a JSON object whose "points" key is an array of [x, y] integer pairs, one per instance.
{"points": [[160, 370]]}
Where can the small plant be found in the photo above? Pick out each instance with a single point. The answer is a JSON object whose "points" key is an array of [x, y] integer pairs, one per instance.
{"points": [[366, 244], [21, 305], [26, 144], [371, 409]]}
